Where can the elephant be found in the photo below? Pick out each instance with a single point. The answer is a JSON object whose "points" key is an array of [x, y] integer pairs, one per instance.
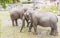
{"points": [[27, 18], [44, 19], [17, 14]]}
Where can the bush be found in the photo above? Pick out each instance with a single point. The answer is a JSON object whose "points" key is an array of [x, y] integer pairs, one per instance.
{"points": [[53, 9]]}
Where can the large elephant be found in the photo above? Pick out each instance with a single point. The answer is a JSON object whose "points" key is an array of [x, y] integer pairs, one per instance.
{"points": [[45, 19]]}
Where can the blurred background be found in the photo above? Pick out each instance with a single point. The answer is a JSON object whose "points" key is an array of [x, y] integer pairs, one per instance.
{"points": [[8, 31]]}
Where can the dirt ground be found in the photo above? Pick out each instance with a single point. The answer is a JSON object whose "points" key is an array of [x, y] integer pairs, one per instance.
{"points": [[8, 31]]}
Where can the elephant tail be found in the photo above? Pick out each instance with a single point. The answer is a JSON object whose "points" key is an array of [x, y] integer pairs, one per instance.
{"points": [[57, 19]]}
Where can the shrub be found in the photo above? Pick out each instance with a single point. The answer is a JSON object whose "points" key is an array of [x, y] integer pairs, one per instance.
{"points": [[53, 8]]}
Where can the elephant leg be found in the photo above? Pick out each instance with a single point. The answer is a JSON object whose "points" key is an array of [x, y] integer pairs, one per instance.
{"points": [[35, 28], [23, 24], [27, 24], [16, 22], [54, 30], [13, 22], [30, 27]]}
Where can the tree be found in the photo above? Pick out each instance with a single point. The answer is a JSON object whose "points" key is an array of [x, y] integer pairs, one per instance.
{"points": [[14, 1], [4, 2]]}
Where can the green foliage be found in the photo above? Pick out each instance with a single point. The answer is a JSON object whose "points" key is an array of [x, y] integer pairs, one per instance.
{"points": [[26, 2], [52, 8], [44, 8], [4, 2]]}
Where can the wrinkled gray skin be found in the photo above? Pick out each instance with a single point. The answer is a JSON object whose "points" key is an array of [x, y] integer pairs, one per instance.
{"points": [[17, 14], [45, 19]]}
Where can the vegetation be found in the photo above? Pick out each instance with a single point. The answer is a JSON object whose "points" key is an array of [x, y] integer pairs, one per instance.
{"points": [[4, 2], [26, 2], [52, 8]]}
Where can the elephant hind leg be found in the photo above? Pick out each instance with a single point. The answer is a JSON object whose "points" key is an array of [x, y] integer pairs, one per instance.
{"points": [[16, 22], [54, 30], [13, 22]]}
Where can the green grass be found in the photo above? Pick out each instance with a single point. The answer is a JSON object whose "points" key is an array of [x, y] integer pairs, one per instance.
{"points": [[0, 22]]}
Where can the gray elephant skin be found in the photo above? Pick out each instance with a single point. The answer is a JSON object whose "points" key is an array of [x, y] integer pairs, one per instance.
{"points": [[44, 19], [17, 14]]}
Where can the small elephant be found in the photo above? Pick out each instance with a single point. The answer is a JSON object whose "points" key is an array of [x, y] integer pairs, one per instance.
{"points": [[17, 14], [45, 19]]}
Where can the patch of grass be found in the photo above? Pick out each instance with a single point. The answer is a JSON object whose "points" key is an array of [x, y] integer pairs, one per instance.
{"points": [[0, 23], [1, 33]]}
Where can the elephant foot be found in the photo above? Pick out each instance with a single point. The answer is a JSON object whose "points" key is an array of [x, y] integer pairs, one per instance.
{"points": [[13, 25], [27, 26], [54, 33], [35, 33], [16, 25], [29, 31], [20, 31]]}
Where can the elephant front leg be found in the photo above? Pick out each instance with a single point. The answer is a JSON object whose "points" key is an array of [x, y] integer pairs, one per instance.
{"points": [[54, 30], [35, 29], [27, 24], [30, 27], [23, 24]]}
